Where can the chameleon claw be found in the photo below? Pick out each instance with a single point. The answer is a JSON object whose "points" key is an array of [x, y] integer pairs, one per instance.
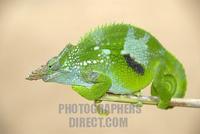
{"points": [[100, 110], [139, 104]]}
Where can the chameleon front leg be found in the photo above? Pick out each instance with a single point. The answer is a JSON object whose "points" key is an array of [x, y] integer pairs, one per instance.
{"points": [[100, 85], [164, 86]]}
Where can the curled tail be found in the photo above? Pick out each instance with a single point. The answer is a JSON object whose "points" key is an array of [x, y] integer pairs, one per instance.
{"points": [[181, 81], [169, 81]]}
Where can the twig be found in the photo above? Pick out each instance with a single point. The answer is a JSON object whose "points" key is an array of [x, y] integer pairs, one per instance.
{"points": [[151, 100]]}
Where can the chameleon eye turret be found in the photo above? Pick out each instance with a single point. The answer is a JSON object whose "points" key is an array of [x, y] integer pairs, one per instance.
{"points": [[53, 64], [118, 59]]}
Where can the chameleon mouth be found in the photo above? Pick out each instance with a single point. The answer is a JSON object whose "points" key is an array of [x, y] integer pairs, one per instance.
{"points": [[51, 77], [38, 73]]}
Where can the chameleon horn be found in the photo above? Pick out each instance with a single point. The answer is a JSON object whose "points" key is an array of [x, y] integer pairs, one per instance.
{"points": [[38, 73]]}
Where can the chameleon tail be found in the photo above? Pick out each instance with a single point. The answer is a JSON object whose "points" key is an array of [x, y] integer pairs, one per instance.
{"points": [[181, 81]]}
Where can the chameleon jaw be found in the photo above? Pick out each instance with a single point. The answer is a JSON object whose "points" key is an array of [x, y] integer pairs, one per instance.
{"points": [[38, 73], [51, 77]]}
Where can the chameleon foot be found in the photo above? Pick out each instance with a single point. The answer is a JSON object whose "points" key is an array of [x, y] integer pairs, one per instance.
{"points": [[99, 109]]}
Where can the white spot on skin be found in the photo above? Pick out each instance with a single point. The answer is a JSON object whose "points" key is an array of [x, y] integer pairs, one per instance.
{"points": [[67, 69], [106, 51], [94, 61], [137, 48], [89, 62], [96, 48], [84, 63]]}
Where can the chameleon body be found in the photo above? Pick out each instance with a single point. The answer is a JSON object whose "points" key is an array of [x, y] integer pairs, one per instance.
{"points": [[118, 59]]}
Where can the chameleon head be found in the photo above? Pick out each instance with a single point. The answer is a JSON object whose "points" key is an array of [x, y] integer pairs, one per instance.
{"points": [[53, 71], [46, 72]]}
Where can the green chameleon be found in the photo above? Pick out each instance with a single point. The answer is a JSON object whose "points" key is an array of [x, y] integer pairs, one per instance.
{"points": [[118, 59]]}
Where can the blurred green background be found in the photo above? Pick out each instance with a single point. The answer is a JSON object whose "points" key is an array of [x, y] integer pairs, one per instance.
{"points": [[32, 31]]}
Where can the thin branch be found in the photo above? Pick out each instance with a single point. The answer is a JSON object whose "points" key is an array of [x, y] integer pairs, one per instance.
{"points": [[151, 100]]}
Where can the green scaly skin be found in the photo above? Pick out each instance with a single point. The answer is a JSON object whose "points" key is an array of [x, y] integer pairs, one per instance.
{"points": [[119, 59]]}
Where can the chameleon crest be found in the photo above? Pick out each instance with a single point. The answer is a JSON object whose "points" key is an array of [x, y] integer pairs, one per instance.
{"points": [[118, 59]]}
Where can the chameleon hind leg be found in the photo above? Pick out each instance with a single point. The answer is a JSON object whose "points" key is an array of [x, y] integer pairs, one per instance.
{"points": [[164, 86]]}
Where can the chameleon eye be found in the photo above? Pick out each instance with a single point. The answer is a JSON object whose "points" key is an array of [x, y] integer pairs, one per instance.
{"points": [[52, 63], [55, 66]]}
